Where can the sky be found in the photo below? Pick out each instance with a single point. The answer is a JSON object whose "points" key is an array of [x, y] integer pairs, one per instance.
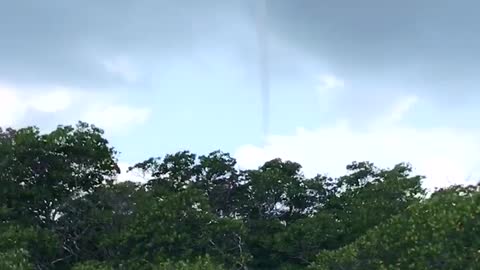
{"points": [[377, 80]]}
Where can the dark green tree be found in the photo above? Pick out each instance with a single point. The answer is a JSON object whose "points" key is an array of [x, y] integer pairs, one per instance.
{"points": [[221, 182], [440, 233], [42, 172], [61, 209]]}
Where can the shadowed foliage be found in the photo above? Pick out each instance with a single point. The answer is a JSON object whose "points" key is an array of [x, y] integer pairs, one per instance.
{"points": [[62, 208]]}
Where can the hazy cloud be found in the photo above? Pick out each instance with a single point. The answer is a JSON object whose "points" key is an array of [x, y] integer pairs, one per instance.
{"points": [[56, 100], [16, 103], [329, 82], [411, 64], [121, 67], [402, 108], [445, 156], [427, 45], [116, 118]]}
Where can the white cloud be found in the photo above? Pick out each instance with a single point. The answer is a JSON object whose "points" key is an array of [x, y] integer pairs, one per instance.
{"points": [[11, 106], [328, 82], [399, 110], [53, 101], [122, 67], [115, 118], [16, 102], [134, 175], [445, 156], [328, 86], [402, 107]]}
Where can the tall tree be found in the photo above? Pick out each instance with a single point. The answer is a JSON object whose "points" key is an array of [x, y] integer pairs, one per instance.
{"points": [[61, 209], [221, 182], [44, 171], [368, 189], [277, 190], [440, 233]]}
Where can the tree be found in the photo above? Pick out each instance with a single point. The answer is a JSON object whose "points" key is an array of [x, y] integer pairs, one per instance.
{"points": [[61, 209], [16, 259], [44, 171], [173, 227], [303, 239], [92, 265], [25, 246], [221, 182], [201, 263], [441, 233], [90, 224], [174, 173], [277, 190], [368, 189]]}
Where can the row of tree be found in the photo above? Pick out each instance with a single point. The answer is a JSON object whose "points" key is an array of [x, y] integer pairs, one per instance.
{"points": [[61, 208]]}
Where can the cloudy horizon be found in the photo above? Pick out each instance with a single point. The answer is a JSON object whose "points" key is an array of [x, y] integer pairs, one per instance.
{"points": [[382, 81]]}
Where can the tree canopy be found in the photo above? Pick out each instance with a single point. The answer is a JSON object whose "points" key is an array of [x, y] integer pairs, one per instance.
{"points": [[62, 208]]}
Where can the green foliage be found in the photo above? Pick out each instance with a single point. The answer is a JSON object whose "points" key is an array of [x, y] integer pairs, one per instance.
{"points": [[43, 171], [60, 208], [204, 263], [277, 191], [440, 233], [300, 242], [368, 189], [15, 259], [172, 227], [92, 265], [36, 245], [220, 181]]}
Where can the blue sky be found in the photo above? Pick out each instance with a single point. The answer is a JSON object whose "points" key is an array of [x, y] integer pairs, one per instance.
{"points": [[378, 80]]}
